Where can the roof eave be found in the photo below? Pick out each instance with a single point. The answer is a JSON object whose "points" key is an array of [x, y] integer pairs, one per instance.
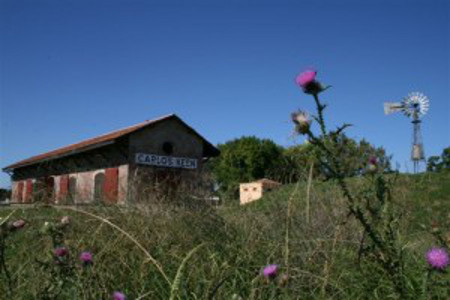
{"points": [[69, 153]]}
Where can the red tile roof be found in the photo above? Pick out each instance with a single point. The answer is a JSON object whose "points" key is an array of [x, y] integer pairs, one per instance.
{"points": [[105, 138], [266, 181]]}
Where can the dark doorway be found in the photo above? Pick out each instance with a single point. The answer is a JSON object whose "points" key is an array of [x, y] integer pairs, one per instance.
{"points": [[98, 187], [167, 183], [50, 189], [72, 190], [20, 192]]}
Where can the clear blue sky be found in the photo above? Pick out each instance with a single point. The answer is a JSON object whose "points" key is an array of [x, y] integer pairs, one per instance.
{"points": [[71, 70]]}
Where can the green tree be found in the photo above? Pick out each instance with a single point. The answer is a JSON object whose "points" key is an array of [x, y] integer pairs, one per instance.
{"points": [[445, 158], [245, 159], [352, 155], [438, 163], [295, 164], [433, 163], [4, 194]]}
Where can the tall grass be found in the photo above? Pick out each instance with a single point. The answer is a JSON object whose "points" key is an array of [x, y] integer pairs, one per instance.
{"points": [[200, 252]]}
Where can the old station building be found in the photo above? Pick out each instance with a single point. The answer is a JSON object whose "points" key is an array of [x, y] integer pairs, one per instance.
{"points": [[153, 156]]}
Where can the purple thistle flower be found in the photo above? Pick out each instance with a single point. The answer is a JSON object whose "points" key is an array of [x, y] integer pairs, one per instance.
{"points": [[270, 271], [118, 296], [373, 160], [17, 224], [307, 81], [60, 251], [86, 258], [437, 258], [305, 78]]}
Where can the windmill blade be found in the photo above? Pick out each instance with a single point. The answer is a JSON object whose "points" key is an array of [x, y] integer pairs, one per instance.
{"points": [[416, 103], [392, 107]]}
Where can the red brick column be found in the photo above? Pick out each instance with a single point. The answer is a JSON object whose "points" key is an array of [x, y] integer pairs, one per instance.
{"points": [[28, 191], [63, 187], [19, 195], [111, 185]]}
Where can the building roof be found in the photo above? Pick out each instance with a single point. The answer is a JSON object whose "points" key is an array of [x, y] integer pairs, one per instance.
{"points": [[263, 181], [106, 139]]}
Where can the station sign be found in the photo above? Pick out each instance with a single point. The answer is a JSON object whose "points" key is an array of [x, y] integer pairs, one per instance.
{"points": [[166, 161]]}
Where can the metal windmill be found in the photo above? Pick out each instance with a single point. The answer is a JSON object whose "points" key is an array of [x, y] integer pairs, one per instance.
{"points": [[414, 106]]}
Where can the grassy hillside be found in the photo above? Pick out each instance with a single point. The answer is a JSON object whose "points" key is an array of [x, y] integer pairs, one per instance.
{"points": [[198, 252]]}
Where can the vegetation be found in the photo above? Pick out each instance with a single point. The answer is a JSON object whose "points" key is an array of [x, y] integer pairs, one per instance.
{"points": [[361, 233], [243, 160], [439, 163], [220, 253], [4, 194], [250, 158], [352, 155]]}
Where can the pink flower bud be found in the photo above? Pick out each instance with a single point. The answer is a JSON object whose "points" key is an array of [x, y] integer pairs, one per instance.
{"points": [[86, 258], [118, 296], [18, 224], [270, 271], [65, 220], [61, 251], [305, 78], [307, 81]]}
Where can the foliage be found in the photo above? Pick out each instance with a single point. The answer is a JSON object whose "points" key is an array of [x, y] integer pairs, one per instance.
{"points": [[250, 158], [352, 155], [439, 163], [322, 261], [295, 163], [243, 160], [5, 194], [373, 207]]}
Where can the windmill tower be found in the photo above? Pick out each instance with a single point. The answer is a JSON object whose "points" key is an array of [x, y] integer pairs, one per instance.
{"points": [[414, 106]]}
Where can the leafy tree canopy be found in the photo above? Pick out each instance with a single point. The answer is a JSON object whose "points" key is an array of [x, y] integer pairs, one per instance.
{"points": [[353, 157], [245, 159], [439, 163], [250, 158], [4, 194]]}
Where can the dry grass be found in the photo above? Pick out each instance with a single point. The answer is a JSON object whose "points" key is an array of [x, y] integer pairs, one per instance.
{"points": [[196, 251]]}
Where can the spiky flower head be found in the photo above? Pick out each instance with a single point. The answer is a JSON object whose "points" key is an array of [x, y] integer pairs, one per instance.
{"points": [[305, 78], [372, 166], [86, 258], [60, 251], [65, 220], [437, 258], [283, 280], [270, 271], [118, 296], [307, 81], [301, 121], [16, 225]]}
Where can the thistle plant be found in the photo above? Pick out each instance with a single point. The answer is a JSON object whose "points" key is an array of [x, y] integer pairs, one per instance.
{"points": [[373, 207], [6, 230]]}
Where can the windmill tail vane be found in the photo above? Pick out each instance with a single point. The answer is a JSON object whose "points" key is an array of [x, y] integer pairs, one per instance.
{"points": [[392, 107]]}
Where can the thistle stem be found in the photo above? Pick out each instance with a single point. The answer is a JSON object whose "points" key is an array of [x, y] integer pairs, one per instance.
{"points": [[320, 109], [334, 167]]}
